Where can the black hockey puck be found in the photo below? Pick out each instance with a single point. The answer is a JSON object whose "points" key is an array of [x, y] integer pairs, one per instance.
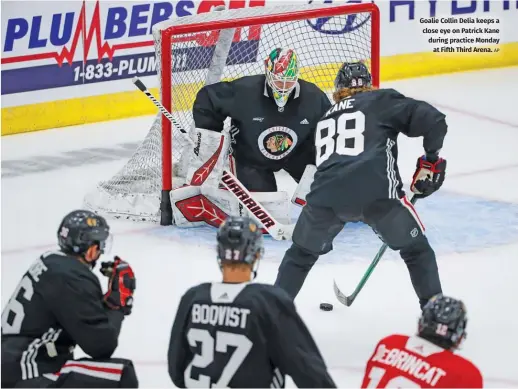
{"points": [[326, 306]]}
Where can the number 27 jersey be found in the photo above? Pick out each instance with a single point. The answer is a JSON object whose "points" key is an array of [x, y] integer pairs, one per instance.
{"points": [[240, 336], [356, 146]]}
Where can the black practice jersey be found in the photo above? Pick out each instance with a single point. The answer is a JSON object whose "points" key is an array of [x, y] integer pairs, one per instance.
{"points": [[56, 306], [356, 146], [263, 135], [242, 335]]}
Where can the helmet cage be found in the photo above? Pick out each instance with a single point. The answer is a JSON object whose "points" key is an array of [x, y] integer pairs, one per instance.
{"points": [[282, 74], [281, 87]]}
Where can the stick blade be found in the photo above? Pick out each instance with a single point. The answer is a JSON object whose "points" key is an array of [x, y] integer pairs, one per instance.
{"points": [[340, 296], [139, 84]]}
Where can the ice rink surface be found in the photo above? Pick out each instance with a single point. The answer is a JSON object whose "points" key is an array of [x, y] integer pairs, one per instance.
{"points": [[472, 223]]}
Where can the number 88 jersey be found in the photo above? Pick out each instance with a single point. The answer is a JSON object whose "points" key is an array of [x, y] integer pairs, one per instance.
{"points": [[356, 145]]}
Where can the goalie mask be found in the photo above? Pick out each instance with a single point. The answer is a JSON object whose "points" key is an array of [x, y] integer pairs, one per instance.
{"points": [[282, 73]]}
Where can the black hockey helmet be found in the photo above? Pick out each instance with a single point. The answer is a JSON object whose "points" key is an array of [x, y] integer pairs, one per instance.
{"points": [[239, 240], [82, 229], [443, 322], [353, 75]]}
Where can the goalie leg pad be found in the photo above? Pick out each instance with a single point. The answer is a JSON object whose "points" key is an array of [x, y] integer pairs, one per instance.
{"points": [[195, 206], [276, 203], [208, 158], [192, 209]]}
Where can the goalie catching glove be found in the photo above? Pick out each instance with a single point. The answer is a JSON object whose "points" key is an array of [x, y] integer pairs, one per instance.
{"points": [[429, 175], [121, 285]]}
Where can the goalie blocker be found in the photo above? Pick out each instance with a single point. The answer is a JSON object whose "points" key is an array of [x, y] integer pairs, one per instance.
{"points": [[211, 194]]}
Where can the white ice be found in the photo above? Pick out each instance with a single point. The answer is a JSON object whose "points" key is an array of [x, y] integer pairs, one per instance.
{"points": [[472, 222]]}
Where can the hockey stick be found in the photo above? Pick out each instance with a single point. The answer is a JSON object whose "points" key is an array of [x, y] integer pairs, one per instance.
{"points": [[277, 230], [348, 300]]}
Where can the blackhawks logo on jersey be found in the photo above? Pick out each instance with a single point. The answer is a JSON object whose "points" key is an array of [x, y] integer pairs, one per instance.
{"points": [[277, 142]]}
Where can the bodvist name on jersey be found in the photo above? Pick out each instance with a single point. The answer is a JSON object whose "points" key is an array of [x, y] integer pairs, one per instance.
{"points": [[220, 315]]}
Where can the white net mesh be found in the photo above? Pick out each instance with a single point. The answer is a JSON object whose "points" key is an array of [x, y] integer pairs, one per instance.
{"points": [[322, 45]]}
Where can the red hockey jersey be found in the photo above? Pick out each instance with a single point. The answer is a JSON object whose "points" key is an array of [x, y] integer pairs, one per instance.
{"points": [[401, 361]]}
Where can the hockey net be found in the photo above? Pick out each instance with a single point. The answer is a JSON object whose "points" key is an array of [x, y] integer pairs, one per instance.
{"points": [[220, 46]]}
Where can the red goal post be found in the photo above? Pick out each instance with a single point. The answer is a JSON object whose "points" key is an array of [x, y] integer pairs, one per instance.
{"points": [[187, 49]]}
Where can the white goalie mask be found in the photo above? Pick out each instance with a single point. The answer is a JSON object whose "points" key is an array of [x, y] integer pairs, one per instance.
{"points": [[282, 73]]}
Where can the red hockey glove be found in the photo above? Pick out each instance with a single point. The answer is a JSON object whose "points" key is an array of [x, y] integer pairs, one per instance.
{"points": [[121, 285], [429, 176]]}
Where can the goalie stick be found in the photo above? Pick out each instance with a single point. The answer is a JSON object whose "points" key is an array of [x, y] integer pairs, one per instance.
{"points": [[277, 230], [348, 300]]}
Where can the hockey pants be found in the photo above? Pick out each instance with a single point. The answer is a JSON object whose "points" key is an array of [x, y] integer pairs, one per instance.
{"points": [[394, 221], [87, 373]]}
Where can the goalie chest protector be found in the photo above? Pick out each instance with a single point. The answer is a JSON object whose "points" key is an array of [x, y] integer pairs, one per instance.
{"points": [[262, 134]]}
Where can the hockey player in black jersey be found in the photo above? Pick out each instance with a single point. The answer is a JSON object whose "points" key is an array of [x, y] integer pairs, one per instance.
{"points": [[357, 179], [273, 118], [237, 334], [59, 304]]}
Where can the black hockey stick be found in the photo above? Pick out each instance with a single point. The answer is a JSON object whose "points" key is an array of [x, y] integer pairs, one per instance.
{"points": [[348, 300], [277, 230]]}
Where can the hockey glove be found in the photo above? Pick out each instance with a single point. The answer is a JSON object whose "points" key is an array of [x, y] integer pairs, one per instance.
{"points": [[429, 176], [121, 285]]}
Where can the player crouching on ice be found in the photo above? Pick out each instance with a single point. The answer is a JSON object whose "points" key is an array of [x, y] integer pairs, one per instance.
{"points": [[426, 360], [357, 179], [59, 304], [273, 118], [238, 334]]}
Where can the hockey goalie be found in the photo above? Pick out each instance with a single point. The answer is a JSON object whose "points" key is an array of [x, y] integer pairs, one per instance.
{"points": [[272, 124]]}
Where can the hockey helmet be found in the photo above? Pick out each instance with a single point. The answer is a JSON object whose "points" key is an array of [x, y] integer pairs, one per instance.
{"points": [[282, 72], [82, 229], [239, 240], [443, 321], [353, 75]]}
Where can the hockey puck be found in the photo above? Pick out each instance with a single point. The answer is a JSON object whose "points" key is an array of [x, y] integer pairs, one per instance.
{"points": [[326, 306]]}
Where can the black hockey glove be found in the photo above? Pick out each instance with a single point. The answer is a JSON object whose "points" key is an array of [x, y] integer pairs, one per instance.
{"points": [[429, 176], [121, 285]]}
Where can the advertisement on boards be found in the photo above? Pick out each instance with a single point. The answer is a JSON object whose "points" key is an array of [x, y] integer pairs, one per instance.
{"points": [[58, 54], [67, 43]]}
